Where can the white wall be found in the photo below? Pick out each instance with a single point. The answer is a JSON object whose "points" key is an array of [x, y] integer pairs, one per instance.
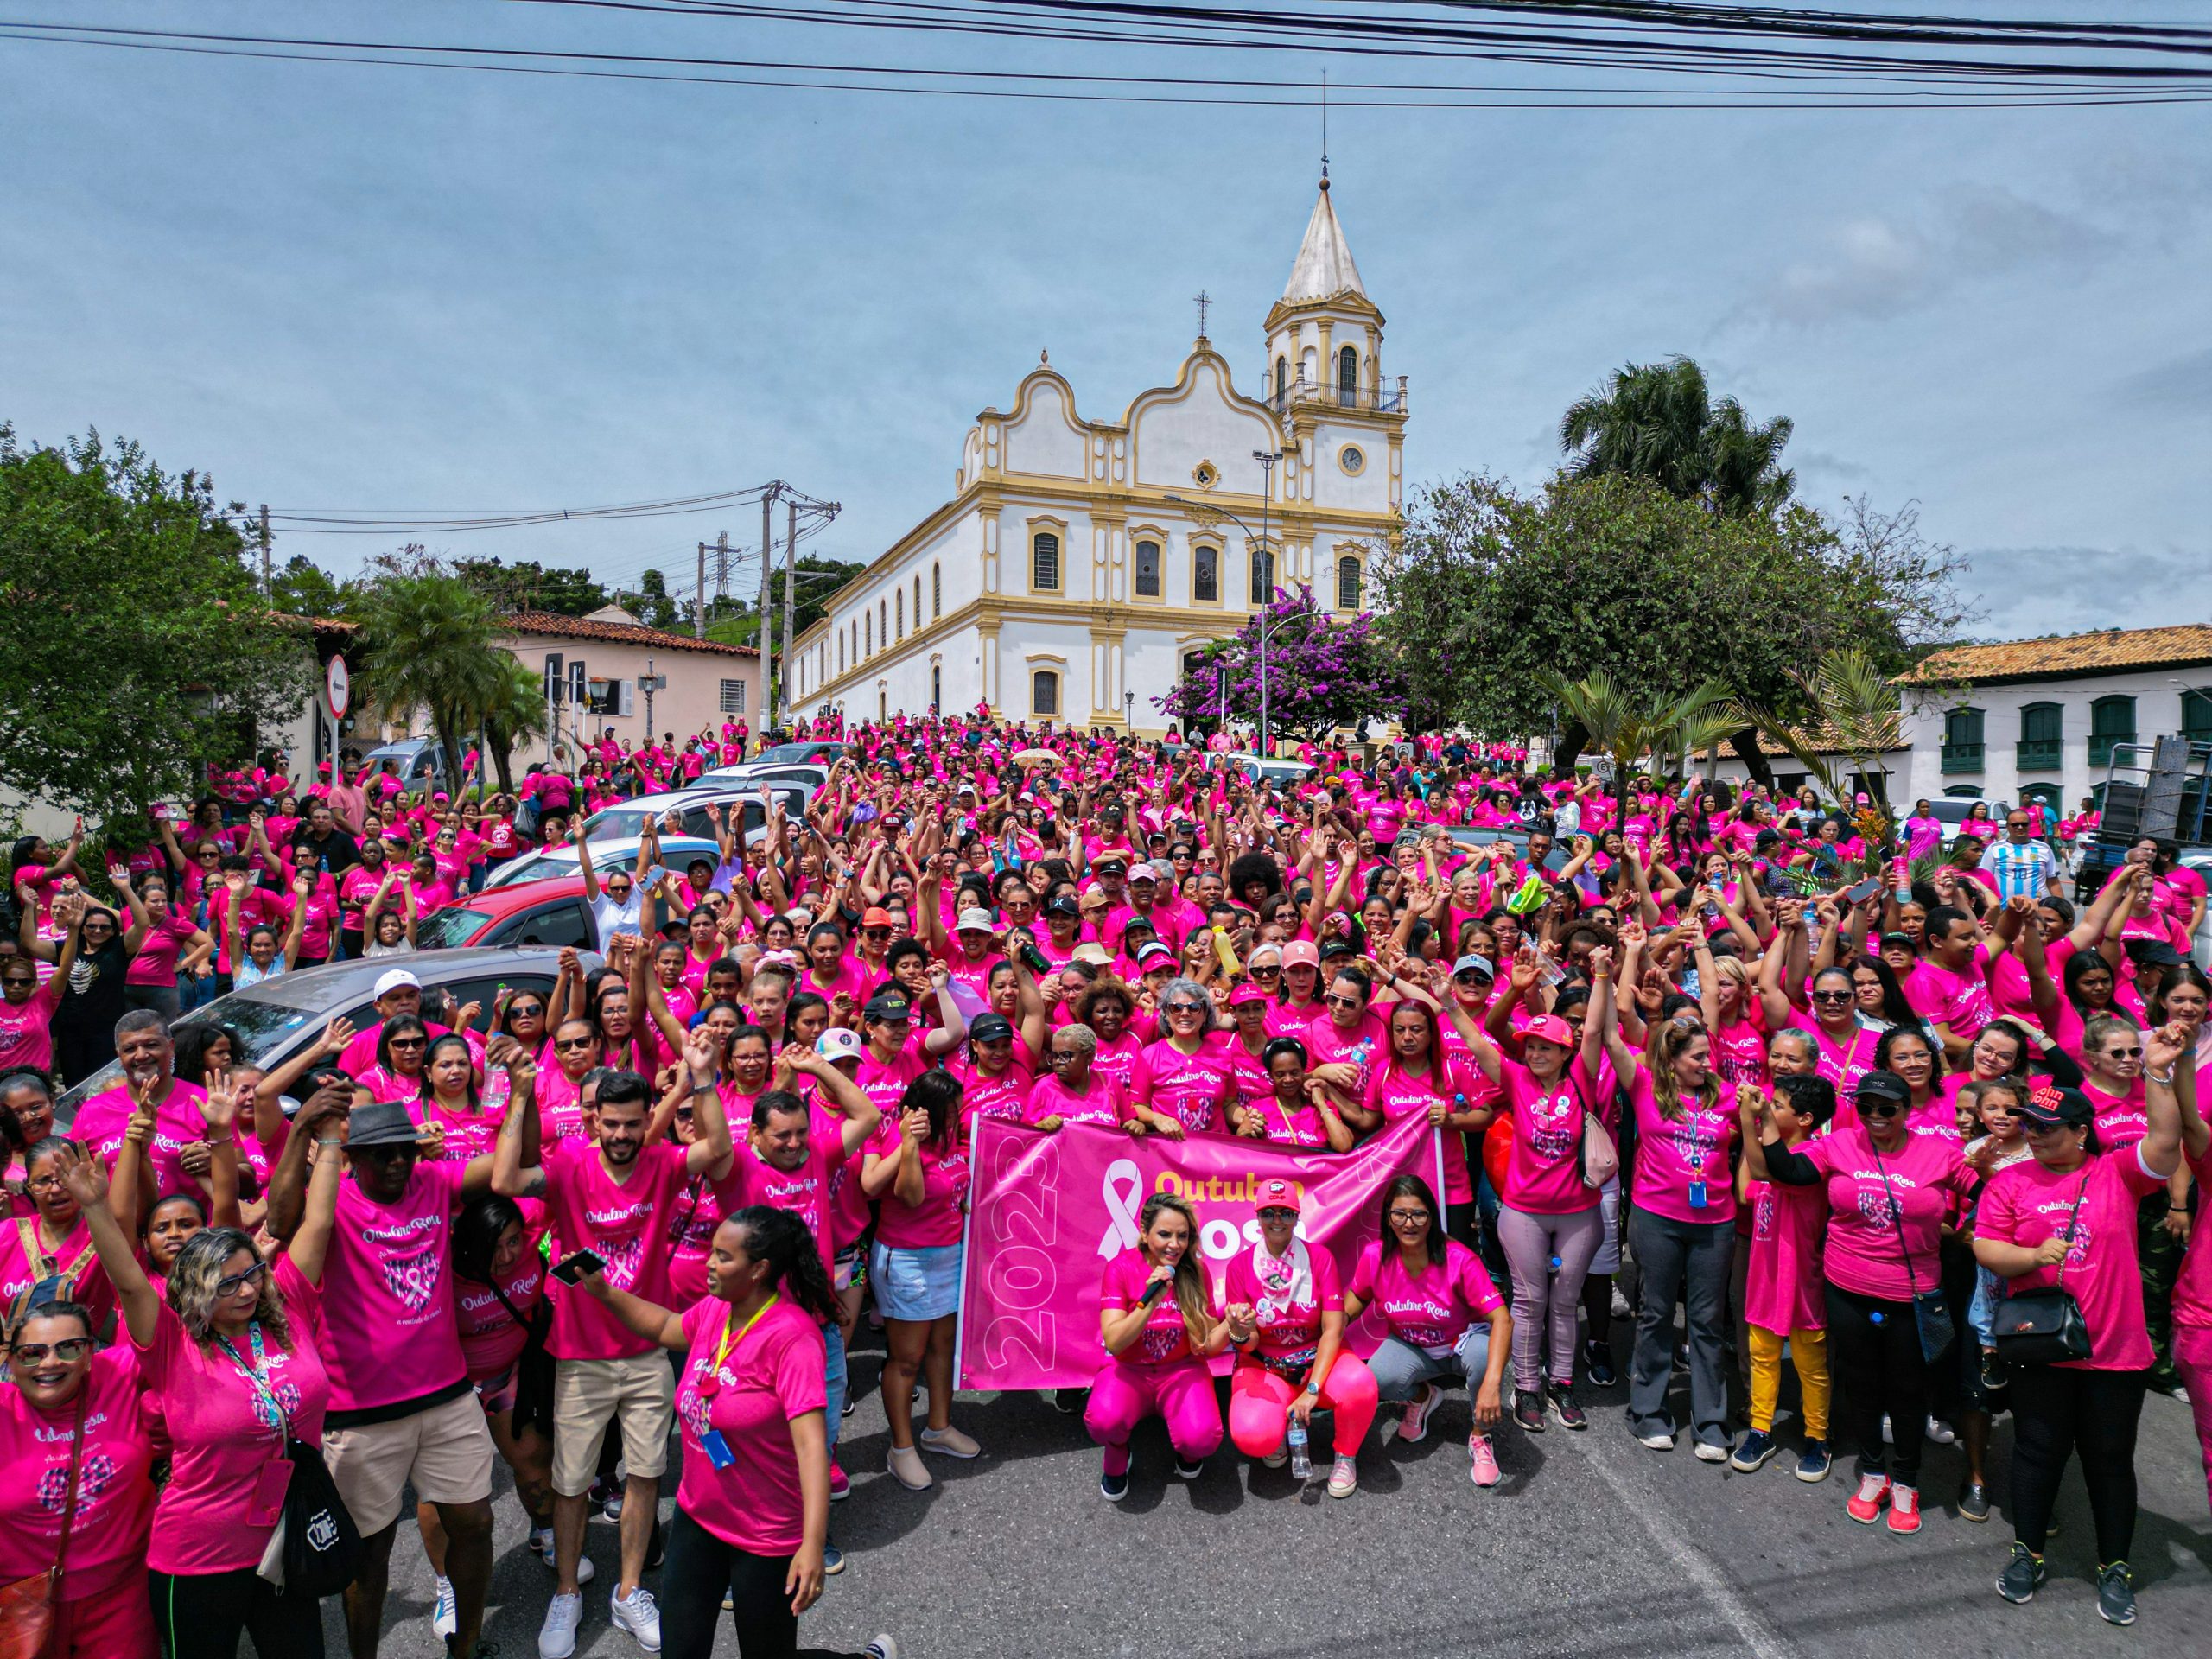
{"points": [[2157, 693]]}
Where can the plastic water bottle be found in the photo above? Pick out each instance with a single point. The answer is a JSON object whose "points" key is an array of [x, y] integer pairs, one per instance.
{"points": [[1301, 1464]]}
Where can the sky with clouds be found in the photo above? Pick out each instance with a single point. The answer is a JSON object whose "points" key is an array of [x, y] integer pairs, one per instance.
{"points": [[350, 287]]}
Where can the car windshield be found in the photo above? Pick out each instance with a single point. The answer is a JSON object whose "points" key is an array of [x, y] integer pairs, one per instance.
{"points": [[449, 929], [617, 822], [784, 754]]}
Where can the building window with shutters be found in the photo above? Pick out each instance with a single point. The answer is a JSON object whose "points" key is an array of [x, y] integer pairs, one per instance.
{"points": [[1147, 570], [1348, 376], [1348, 574], [2043, 726], [918, 600], [2197, 716], [1045, 562], [733, 696], [1263, 576], [1282, 381], [1963, 741], [902, 634], [2112, 721], [1045, 693], [867, 636], [883, 622], [1205, 574]]}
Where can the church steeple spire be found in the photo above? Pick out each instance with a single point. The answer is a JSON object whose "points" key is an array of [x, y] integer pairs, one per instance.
{"points": [[1323, 268]]}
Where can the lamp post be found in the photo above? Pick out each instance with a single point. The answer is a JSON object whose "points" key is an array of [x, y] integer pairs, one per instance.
{"points": [[1267, 458], [1203, 510]]}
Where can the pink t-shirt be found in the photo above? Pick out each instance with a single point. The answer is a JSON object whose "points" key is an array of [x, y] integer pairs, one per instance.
{"points": [[1195, 1089], [79, 1265], [2027, 1204], [1103, 1101], [998, 1096], [693, 1215], [388, 1334], [2193, 1291], [1781, 1282], [773, 1372], [115, 1492], [1843, 1063], [1542, 1175], [936, 1221], [1123, 1060], [490, 1340], [625, 1223], [1364, 1045], [1289, 1311], [807, 1191], [222, 1434], [155, 963], [1431, 1310], [1164, 1338], [1398, 1094], [2121, 1119], [1958, 1001], [177, 1123], [1927, 1180], [27, 1027], [1682, 1159]]}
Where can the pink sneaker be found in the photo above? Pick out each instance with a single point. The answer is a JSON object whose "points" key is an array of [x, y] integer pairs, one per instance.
{"points": [[1485, 1471], [1905, 1510], [1865, 1505], [839, 1486], [1413, 1426]]}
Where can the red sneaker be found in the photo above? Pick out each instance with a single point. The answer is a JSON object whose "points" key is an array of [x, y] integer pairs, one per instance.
{"points": [[839, 1486], [1865, 1505], [1905, 1510]]}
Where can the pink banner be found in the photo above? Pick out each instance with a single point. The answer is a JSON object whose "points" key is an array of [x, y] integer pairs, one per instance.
{"points": [[1046, 1212]]}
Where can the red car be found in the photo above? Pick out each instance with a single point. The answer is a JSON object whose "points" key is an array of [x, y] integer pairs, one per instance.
{"points": [[551, 913]]}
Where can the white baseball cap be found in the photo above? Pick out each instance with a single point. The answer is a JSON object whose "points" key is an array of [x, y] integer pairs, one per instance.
{"points": [[839, 1044], [975, 919], [393, 980]]}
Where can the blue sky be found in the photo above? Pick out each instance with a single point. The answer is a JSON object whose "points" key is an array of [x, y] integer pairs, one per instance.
{"points": [[353, 287]]}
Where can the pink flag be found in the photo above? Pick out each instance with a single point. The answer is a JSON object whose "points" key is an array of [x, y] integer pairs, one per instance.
{"points": [[1046, 1212]]}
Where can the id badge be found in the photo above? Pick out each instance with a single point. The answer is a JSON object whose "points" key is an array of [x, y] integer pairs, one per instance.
{"points": [[265, 1507], [1697, 1195], [717, 1449]]}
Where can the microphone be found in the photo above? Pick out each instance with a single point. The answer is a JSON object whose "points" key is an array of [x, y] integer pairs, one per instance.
{"points": [[1152, 1292]]}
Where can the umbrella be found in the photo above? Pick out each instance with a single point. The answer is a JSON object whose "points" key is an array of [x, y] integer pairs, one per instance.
{"points": [[1038, 757]]}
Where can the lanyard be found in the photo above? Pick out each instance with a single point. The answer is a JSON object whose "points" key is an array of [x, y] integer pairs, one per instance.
{"points": [[27, 1230], [732, 1333], [257, 1375]]}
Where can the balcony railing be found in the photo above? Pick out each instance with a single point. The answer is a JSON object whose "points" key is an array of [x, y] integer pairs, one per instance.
{"points": [[2040, 754], [2101, 746], [1372, 400], [1962, 757]]}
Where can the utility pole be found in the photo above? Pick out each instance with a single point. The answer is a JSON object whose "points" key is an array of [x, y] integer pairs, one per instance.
{"points": [[1268, 459], [721, 564], [790, 568], [760, 637], [268, 584], [699, 597]]}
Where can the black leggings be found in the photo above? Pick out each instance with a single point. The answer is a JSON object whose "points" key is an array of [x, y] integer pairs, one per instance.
{"points": [[1874, 1358], [699, 1567], [201, 1616], [2058, 1410]]}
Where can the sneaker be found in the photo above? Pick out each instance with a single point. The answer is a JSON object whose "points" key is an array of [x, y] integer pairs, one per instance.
{"points": [[2116, 1594], [1814, 1462], [1659, 1440], [1560, 1398], [637, 1614], [1974, 1501], [1484, 1457], [445, 1617], [1995, 1372], [1069, 1402], [833, 1560], [1276, 1459], [1413, 1426], [1188, 1470], [1752, 1452], [1621, 1306], [556, 1637], [852, 1404], [1940, 1433], [1597, 1361], [613, 1507], [1114, 1487], [950, 1442], [541, 1545], [841, 1485], [1682, 1357], [1344, 1478], [1865, 1505], [882, 1648], [1711, 1450], [1888, 1438], [1905, 1509], [1528, 1410], [2022, 1575], [905, 1466]]}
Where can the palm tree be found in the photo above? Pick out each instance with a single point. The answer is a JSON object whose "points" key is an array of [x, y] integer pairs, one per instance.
{"points": [[515, 713], [1856, 713], [429, 646], [1658, 421]]}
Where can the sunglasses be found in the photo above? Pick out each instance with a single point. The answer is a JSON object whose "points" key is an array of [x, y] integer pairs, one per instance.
{"points": [[2123, 1053], [526, 1007], [1831, 996], [408, 1042], [1185, 1007], [69, 1350], [1279, 1215], [1337, 1001], [564, 1044], [1881, 1107]]}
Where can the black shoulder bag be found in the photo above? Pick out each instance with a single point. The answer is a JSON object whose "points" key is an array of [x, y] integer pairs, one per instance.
{"points": [[1931, 1314], [2043, 1326], [533, 1367]]}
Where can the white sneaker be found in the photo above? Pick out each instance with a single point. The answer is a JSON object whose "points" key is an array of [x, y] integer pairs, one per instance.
{"points": [[557, 1637], [882, 1648], [445, 1617], [637, 1614], [1657, 1440], [541, 1545], [1940, 1432]]}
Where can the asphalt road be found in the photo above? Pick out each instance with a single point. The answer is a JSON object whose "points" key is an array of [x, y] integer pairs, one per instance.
{"points": [[1592, 1546]]}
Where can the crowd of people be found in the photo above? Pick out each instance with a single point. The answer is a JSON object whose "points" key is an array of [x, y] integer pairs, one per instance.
{"points": [[1901, 1131]]}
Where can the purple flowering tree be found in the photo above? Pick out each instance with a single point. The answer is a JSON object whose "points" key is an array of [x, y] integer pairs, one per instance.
{"points": [[1324, 671]]}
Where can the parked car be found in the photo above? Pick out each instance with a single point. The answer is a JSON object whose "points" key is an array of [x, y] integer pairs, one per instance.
{"points": [[1283, 774], [785, 754], [418, 762], [275, 1018], [551, 913], [806, 776], [675, 852], [693, 810]]}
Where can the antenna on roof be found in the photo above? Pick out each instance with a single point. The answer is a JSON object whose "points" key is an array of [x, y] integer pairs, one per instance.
{"points": [[1325, 126]]}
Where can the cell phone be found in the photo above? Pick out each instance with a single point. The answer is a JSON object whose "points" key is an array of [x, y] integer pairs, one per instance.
{"points": [[578, 1265], [1865, 890]]}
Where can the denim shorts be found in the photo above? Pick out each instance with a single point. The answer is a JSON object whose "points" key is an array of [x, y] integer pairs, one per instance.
{"points": [[916, 1285]]}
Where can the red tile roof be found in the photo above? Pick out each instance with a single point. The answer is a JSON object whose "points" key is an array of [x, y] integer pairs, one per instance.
{"points": [[548, 625], [2111, 651]]}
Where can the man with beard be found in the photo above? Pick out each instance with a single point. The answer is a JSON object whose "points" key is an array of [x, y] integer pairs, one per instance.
{"points": [[611, 1197], [402, 1412]]}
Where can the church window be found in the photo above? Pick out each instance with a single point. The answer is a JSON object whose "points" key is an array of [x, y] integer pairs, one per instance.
{"points": [[902, 614], [1044, 692], [1264, 576], [1205, 573], [883, 622], [1045, 562], [936, 590], [1348, 574], [1348, 376], [1282, 378], [917, 599], [1148, 570], [868, 634]]}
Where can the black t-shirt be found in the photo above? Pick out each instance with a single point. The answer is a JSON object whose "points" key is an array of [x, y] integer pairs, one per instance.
{"points": [[94, 999], [337, 848]]}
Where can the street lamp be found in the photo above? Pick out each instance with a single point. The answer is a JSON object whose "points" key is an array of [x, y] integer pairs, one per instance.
{"points": [[1267, 459], [1129, 713]]}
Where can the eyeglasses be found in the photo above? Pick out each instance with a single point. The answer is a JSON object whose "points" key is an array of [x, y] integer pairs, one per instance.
{"points": [[1471, 977], [408, 1042], [230, 1284], [1060, 1056], [1186, 1007], [68, 1350], [1337, 1001], [1406, 1218], [1276, 1213]]}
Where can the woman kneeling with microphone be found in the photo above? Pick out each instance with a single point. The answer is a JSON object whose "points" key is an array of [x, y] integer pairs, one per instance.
{"points": [[1286, 1318], [1152, 1318], [753, 1510]]}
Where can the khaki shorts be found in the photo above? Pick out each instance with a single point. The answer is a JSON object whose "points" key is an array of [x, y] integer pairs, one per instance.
{"points": [[446, 1451], [638, 1393]]}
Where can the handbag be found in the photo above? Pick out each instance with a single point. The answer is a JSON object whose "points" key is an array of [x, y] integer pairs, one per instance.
{"points": [[29, 1605], [1931, 1314], [1595, 1155], [2043, 1326], [321, 1545], [533, 1367]]}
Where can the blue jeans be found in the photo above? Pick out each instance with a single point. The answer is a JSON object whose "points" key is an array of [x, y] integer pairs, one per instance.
{"points": [[833, 1344]]}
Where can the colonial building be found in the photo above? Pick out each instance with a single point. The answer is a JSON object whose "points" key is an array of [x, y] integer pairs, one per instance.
{"points": [[1082, 558]]}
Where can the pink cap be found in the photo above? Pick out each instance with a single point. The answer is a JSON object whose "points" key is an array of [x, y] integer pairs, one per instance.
{"points": [[1549, 1028], [1246, 993], [1301, 953], [1278, 1195]]}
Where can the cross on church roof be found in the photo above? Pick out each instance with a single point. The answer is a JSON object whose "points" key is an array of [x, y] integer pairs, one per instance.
{"points": [[1203, 300]]}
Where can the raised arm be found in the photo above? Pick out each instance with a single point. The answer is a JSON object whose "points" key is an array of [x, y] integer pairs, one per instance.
{"points": [[87, 1184], [647, 1319]]}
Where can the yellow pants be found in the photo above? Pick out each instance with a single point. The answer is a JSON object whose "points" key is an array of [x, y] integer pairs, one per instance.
{"points": [[1808, 1350]]}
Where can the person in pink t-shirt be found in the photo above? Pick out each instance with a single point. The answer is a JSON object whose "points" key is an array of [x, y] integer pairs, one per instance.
{"points": [[1782, 1299], [752, 1508], [1156, 1324], [1285, 1311], [2066, 1216]]}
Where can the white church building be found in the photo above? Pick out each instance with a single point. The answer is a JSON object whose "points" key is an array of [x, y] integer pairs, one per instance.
{"points": [[1083, 557]]}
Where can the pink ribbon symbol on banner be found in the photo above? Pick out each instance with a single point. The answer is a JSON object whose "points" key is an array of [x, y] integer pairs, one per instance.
{"points": [[1120, 1190]]}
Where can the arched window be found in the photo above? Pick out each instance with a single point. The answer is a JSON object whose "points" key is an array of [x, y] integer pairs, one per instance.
{"points": [[1044, 692], [868, 634], [1147, 577], [840, 650], [1348, 376], [1348, 574], [936, 688], [2112, 719], [902, 614], [936, 591], [1264, 576], [1205, 574], [1282, 378], [2043, 727], [917, 599], [883, 622], [1963, 741], [1045, 562]]}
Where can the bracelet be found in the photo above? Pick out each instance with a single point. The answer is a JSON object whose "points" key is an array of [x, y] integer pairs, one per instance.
{"points": [[2168, 1079], [227, 1140], [319, 1141]]}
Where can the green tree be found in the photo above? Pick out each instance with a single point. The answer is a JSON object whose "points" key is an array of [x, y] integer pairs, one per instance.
{"points": [[1627, 729], [526, 585], [651, 603], [135, 648], [1658, 421], [428, 635], [300, 587], [514, 713]]}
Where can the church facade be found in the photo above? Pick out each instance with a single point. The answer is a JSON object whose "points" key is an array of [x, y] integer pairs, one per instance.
{"points": [[1082, 559]]}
